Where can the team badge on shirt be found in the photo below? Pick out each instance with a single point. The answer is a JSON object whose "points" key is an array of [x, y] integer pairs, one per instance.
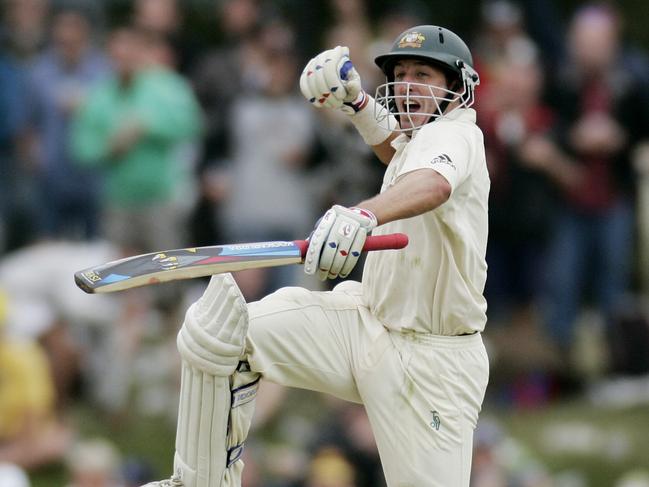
{"points": [[412, 39]]}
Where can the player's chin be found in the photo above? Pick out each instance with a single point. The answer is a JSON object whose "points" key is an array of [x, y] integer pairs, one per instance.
{"points": [[411, 122]]}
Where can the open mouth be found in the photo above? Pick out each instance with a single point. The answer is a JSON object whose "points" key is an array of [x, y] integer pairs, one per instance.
{"points": [[412, 106]]}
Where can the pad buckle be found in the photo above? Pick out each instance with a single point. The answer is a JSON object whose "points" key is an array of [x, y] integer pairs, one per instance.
{"points": [[234, 454]]}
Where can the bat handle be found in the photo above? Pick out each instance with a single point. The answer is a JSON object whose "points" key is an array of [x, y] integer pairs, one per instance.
{"points": [[392, 241]]}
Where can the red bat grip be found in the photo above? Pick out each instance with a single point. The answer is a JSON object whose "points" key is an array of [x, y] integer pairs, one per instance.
{"points": [[392, 241]]}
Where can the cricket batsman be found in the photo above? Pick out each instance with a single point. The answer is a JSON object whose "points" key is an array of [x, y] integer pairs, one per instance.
{"points": [[406, 341]]}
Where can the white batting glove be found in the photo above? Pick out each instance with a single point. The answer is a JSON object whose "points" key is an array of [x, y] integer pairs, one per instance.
{"points": [[330, 80], [337, 241]]}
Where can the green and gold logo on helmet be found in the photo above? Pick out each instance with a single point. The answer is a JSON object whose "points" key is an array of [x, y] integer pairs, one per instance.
{"points": [[412, 39]]}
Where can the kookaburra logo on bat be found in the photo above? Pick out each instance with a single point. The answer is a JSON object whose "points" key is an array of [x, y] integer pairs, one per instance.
{"points": [[165, 262]]}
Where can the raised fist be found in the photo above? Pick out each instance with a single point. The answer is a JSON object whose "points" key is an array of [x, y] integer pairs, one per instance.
{"points": [[330, 79]]}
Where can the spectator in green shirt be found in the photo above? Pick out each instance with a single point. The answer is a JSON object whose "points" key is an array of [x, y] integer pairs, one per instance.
{"points": [[132, 126]]}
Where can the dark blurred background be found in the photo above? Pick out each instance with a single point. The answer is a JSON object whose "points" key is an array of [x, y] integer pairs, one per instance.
{"points": [[135, 126]]}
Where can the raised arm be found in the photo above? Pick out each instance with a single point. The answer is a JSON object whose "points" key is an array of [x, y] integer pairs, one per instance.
{"points": [[330, 80]]}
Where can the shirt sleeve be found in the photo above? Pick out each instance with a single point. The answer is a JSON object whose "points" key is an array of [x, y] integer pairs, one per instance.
{"points": [[442, 147]]}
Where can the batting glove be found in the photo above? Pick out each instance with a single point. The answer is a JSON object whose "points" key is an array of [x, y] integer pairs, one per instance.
{"points": [[337, 241], [330, 80]]}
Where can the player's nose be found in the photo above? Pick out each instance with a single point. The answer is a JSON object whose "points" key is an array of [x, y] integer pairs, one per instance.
{"points": [[410, 77], [404, 87]]}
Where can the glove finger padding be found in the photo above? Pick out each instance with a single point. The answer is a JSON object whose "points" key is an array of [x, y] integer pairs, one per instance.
{"points": [[336, 249], [331, 74], [304, 86], [309, 85], [313, 80], [353, 254], [318, 82], [317, 240]]}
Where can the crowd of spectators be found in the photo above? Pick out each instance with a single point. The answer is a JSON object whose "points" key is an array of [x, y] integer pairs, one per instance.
{"points": [[131, 127]]}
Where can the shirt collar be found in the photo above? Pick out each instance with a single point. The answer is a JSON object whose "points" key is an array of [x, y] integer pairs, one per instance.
{"points": [[460, 114], [401, 140], [463, 114]]}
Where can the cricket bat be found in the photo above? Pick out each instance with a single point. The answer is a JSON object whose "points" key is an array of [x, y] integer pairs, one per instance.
{"points": [[172, 265]]}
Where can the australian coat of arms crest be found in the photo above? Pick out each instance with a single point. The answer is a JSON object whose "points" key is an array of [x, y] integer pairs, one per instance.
{"points": [[412, 39]]}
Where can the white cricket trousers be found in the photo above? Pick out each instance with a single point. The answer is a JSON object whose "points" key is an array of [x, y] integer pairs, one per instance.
{"points": [[422, 392]]}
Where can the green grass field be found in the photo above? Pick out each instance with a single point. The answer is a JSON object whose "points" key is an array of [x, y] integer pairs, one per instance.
{"points": [[149, 439], [601, 444]]}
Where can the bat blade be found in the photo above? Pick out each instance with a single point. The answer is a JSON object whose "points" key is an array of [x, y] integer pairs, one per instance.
{"points": [[172, 265]]}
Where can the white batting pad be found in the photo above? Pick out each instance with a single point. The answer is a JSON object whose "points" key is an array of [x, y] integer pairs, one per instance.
{"points": [[213, 334], [200, 458], [216, 406]]}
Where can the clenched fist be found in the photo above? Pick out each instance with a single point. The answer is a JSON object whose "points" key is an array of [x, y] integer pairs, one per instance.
{"points": [[337, 241], [330, 80]]}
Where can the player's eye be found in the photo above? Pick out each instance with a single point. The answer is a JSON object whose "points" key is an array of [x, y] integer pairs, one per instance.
{"points": [[399, 75]]}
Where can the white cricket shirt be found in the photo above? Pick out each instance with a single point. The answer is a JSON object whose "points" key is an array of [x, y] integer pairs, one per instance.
{"points": [[435, 285]]}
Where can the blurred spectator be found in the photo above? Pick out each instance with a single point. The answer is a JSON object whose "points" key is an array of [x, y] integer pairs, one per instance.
{"points": [[348, 430], [159, 16], [521, 200], [92, 342], [222, 75], [351, 28], [46, 306], [59, 81], [136, 472], [502, 33], [602, 113], [330, 468], [252, 475], [12, 476], [30, 433], [132, 126], [487, 469], [501, 461], [501, 39], [522, 211], [347, 171], [12, 114], [272, 134], [393, 22], [25, 28], [165, 18], [93, 463], [634, 478]]}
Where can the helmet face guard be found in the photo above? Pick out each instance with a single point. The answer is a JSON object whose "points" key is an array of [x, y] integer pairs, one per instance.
{"points": [[400, 104]]}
